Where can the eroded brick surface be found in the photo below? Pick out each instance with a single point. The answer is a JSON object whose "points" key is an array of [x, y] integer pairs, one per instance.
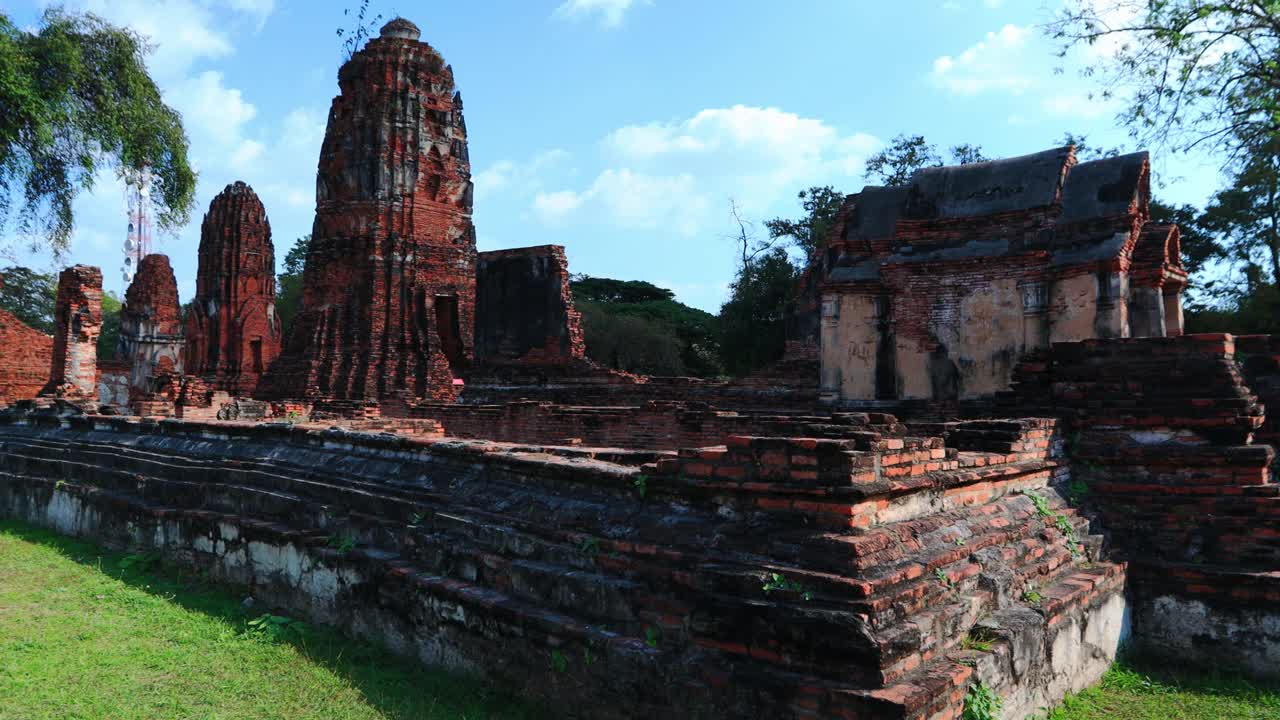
{"points": [[935, 289], [77, 320], [524, 308], [151, 337], [785, 577], [232, 334], [389, 289]]}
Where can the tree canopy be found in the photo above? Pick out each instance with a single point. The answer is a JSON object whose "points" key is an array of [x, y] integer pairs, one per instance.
{"points": [[76, 97], [809, 233], [1188, 73], [894, 165], [289, 282], [30, 296], [636, 326]]}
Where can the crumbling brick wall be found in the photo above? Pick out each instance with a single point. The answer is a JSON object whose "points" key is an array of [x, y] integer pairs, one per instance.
{"points": [[77, 318], [524, 308], [1161, 439], [653, 425], [766, 577]]}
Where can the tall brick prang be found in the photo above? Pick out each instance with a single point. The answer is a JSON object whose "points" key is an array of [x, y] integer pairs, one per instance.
{"points": [[151, 323], [232, 333], [77, 318], [389, 287]]}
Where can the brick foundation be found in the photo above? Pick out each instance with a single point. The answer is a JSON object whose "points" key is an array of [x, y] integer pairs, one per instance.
{"points": [[1161, 438], [766, 577]]}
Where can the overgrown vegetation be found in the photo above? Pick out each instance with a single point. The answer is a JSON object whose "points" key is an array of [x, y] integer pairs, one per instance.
{"points": [[76, 97], [981, 703], [100, 635]]}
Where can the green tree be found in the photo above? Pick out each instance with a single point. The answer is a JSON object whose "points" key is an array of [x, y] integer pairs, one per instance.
{"points": [[607, 290], [109, 336], [619, 313], [1085, 150], [967, 153], [289, 282], [753, 320], [30, 296], [896, 164], [1188, 73], [809, 233], [630, 343], [75, 96], [1245, 217]]}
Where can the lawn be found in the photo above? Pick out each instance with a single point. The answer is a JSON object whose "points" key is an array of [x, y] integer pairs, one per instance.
{"points": [[90, 634], [1133, 692]]}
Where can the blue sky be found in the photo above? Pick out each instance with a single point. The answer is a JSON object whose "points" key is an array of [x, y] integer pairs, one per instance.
{"points": [[618, 128]]}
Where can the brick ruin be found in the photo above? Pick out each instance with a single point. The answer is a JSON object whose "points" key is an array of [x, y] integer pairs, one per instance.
{"points": [[933, 290], [989, 455], [77, 318], [232, 334], [388, 311], [151, 326], [524, 308]]}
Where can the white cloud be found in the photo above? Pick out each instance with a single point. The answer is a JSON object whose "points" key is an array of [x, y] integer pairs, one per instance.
{"points": [[246, 154], [611, 12], [211, 110], [1076, 105], [554, 207], [260, 9], [679, 174], [182, 31], [507, 176], [303, 129], [997, 62]]}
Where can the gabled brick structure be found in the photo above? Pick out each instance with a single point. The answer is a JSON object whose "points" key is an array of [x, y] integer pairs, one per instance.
{"points": [[151, 324], [934, 290], [77, 318], [389, 301], [232, 334]]}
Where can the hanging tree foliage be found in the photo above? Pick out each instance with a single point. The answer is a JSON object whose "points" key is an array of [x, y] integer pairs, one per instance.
{"points": [[1190, 73], [75, 96]]}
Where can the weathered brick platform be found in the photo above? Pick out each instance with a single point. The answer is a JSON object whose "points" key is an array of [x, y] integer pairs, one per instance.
{"points": [[1161, 437], [829, 576]]}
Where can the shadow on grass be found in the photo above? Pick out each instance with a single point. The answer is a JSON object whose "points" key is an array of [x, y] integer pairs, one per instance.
{"points": [[397, 687], [1141, 674]]}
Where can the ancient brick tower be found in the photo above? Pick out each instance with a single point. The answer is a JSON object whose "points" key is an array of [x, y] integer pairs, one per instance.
{"points": [[151, 324], [232, 334], [389, 287], [77, 318]]}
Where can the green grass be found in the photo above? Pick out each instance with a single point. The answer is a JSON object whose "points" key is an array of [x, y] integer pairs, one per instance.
{"points": [[90, 634], [1140, 694]]}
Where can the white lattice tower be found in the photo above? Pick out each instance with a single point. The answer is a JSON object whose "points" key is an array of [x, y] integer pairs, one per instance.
{"points": [[137, 244]]}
